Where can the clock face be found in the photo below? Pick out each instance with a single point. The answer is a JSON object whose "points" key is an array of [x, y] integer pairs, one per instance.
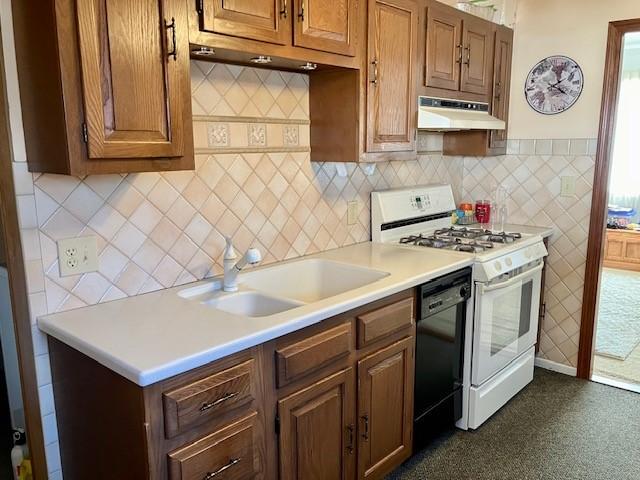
{"points": [[554, 85]]}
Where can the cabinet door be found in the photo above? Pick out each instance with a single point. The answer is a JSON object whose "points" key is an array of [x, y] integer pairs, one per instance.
{"points": [[632, 248], [326, 26], [477, 61], [443, 50], [135, 73], [385, 409], [263, 20], [391, 91], [501, 83], [317, 430]]}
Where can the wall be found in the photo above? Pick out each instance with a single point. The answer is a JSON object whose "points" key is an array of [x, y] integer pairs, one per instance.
{"points": [[577, 29]]}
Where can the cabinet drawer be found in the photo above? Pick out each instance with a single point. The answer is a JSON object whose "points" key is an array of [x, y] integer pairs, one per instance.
{"points": [[226, 454], [305, 356], [197, 402], [374, 325]]}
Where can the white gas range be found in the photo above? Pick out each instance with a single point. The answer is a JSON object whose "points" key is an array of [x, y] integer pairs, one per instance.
{"points": [[501, 328]]}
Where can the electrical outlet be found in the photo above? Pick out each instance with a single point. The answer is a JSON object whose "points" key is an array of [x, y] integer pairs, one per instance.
{"points": [[77, 255], [567, 186], [352, 212]]}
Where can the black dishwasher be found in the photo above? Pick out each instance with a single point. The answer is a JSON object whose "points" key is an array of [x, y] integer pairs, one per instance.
{"points": [[440, 355]]}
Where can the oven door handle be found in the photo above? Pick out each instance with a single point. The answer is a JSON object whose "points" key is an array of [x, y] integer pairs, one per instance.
{"points": [[511, 281]]}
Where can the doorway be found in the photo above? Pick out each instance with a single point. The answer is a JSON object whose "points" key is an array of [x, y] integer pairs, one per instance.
{"points": [[610, 331], [617, 337]]}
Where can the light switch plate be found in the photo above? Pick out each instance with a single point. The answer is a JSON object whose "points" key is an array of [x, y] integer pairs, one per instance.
{"points": [[567, 186], [352, 212], [77, 255]]}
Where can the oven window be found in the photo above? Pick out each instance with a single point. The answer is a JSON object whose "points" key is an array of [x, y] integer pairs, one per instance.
{"points": [[506, 320]]}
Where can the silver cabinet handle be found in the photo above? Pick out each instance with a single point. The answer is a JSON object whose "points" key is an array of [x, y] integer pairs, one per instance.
{"points": [[174, 49], [375, 72], [284, 12], [459, 48], [224, 398], [301, 14], [223, 469], [350, 447], [365, 434], [468, 59]]}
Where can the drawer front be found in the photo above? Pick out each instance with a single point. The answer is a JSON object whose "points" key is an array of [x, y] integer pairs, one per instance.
{"points": [[312, 353], [193, 404], [373, 326], [227, 454]]}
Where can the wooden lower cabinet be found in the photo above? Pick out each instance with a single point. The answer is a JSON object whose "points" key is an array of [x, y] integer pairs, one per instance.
{"points": [[317, 430], [385, 409], [228, 453], [316, 404], [622, 249]]}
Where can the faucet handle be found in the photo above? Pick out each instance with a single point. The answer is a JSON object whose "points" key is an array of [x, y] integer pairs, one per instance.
{"points": [[253, 256], [229, 251]]}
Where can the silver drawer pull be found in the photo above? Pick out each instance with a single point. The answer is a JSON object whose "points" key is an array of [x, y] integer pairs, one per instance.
{"points": [[224, 398], [231, 463]]}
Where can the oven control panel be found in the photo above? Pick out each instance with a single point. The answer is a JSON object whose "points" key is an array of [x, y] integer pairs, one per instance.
{"points": [[420, 202]]}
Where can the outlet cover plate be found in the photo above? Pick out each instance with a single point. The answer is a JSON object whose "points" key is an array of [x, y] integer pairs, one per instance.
{"points": [[567, 186], [352, 212], [77, 255]]}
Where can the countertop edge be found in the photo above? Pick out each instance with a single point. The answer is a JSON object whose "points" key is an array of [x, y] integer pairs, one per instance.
{"points": [[145, 378]]}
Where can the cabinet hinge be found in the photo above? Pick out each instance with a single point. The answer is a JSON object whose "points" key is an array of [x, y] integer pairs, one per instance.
{"points": [[200, 6], [277, 424], [85, 133]]}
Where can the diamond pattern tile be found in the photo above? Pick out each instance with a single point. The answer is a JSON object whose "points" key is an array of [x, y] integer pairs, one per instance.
{"points": [[535, 199]]}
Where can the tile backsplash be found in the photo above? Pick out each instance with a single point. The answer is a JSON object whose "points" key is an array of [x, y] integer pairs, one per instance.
{"points": [[532, 170], [254, 181]]}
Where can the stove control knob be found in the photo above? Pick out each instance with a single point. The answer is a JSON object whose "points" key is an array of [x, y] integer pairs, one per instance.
{"points": [[497, 265], [463, 292], [508, 262]]}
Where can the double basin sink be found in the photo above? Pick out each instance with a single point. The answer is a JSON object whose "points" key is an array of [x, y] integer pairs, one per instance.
{"points": [[275, 289]]}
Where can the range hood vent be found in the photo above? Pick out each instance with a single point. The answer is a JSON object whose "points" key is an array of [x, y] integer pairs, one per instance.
{"points": [[442, 115]]}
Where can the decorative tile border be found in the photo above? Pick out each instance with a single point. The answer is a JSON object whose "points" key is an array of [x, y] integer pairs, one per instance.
{"points": [[238, 137], [563, 146]]}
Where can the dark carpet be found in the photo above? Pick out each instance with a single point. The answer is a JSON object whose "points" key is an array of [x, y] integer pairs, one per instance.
{"points": [[558, 428]]}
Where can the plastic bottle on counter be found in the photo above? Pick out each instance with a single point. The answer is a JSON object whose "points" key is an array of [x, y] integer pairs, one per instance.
{"points": [[18, 452]]}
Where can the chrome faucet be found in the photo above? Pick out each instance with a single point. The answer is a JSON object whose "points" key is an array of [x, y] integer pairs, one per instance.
{"points": [[232, 268]]}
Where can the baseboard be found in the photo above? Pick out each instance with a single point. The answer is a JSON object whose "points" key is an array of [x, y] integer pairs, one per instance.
{"points": [[612, 382], [555, 366]]}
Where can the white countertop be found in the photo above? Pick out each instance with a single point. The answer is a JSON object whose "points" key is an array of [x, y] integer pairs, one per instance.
{"points": [[148, 338], [544, 232]]}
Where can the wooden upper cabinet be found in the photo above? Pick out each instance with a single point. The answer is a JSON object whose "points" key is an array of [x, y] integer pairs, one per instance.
{"points": [[477, 58], [325, 26], [111, 92], [391, 89], [501, 83], [262, 20], [444, 49], [133, 57], [317, 430], [385, 409]]}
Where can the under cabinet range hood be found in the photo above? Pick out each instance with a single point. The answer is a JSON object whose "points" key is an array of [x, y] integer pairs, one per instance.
{"points": [[443, 114]]}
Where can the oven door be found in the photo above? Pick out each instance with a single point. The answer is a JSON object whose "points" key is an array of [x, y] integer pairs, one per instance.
{"points": [[505, 322]]}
